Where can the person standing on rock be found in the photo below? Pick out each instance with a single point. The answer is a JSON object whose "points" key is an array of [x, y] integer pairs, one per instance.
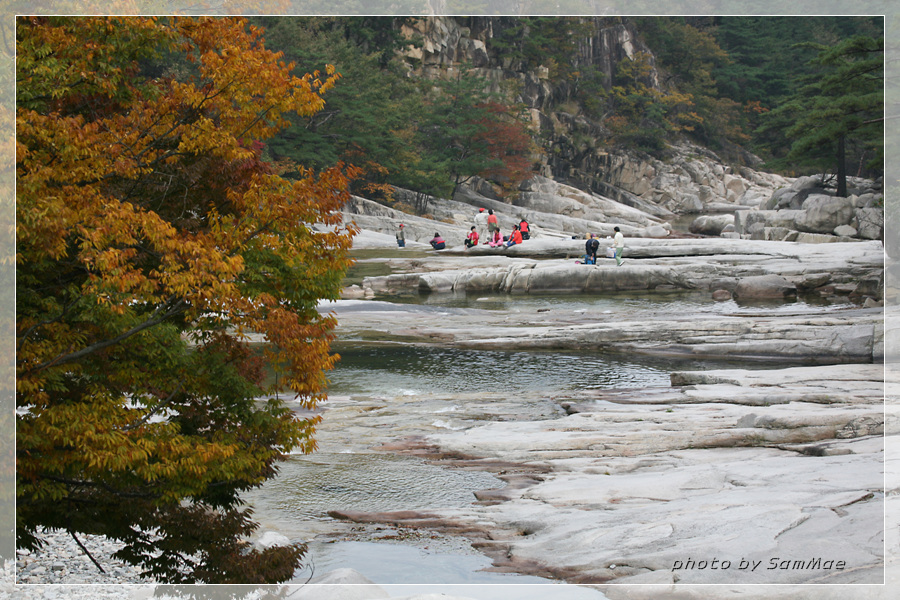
{"points": [[492, 222], [619, 245], [481, 224], [590, 250], [401, 236]]}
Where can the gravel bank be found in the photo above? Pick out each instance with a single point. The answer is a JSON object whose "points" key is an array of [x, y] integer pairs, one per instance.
{"points": [[61, 561]]}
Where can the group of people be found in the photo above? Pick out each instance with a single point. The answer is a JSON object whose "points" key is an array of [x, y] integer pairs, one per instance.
{"points": [[437, 242], [593, 244], [486, 226]]}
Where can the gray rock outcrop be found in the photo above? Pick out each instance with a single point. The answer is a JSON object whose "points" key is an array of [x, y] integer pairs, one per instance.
{"points": [[712, 224], [764, 287], [822, 214]]}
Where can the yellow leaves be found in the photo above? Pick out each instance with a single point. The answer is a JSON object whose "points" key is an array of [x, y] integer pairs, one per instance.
{"points": [[140, 196]]}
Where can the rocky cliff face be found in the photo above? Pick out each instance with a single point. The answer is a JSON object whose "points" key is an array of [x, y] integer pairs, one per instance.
{"points": [[690, 180], [572, 150]]}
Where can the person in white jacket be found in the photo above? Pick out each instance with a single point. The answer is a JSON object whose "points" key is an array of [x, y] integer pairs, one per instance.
{"points": [[481, 224], [619, 245]]}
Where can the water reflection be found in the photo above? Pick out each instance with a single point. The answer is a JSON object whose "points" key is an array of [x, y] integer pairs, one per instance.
{"points": [[307, 487], [628, 305], [400, 370]]}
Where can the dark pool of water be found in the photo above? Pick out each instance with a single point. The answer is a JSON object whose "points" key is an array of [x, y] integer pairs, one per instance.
{"points": [[627, 304], [308, 486], [396, 369]]}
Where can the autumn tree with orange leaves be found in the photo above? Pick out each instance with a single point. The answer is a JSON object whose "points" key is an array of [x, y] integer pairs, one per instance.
{"points": [[151, 238]]}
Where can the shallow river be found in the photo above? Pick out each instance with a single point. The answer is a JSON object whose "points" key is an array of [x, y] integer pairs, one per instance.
{"points": [[439, 380]]}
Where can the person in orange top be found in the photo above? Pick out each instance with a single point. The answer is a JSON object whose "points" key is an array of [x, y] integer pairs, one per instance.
{"points": [[515, 237], [492, 222]]}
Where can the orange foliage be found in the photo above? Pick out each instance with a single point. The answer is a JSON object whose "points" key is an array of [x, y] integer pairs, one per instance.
{"points": [[146, 220]]}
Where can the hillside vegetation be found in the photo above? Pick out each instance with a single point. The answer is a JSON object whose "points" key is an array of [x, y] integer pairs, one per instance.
{"points": [[429, 104]]}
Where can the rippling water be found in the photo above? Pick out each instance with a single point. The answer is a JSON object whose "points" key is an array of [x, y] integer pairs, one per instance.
{"points": [[307, 487], [395, 370], [629, 304]]}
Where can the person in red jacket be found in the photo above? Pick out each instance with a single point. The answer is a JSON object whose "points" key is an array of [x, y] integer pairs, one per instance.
{"points": [[515, 237], [523, 227], [472, 238]]}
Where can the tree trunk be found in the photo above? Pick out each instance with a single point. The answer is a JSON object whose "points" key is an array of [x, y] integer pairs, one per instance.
{"points": [[421, 203], [841, 169]]}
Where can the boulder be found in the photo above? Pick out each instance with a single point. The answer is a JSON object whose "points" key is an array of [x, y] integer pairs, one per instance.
{"points": [[764, 287], [812, 281], [820, 238], [869, 287], [353, 292], [845, 231], [869, 200], [752, 197], [783, 198], [869, 223], [735, 187], [822, 213], [806, 183], [711, 224], [655, 231], [707, 194], [793, 196], [744, 219], [777, 234], [684, 203], [271, 539]]}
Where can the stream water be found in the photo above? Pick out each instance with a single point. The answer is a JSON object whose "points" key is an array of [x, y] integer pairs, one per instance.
{"points": [[628, 304], [387, 379]]}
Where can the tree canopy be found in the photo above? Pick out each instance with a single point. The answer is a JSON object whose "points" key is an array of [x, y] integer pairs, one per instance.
{"points": [[421, 134], [708, 79], [467, 133], [151, 238], [841, 105]]}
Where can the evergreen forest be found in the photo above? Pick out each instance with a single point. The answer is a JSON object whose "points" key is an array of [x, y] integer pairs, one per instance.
{"points": [[804, 94]]}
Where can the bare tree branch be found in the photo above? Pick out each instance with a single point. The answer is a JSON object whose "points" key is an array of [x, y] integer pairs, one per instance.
{"points": [[85, 550]]}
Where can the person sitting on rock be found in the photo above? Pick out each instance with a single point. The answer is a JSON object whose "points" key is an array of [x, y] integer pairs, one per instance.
{"points": [[590, 250], [437, 242], [515, 237], [496, 239], [523, 227], [472, 238]]}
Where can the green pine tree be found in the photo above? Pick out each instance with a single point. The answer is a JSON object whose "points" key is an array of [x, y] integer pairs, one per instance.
{"points": [[838, 111]]}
